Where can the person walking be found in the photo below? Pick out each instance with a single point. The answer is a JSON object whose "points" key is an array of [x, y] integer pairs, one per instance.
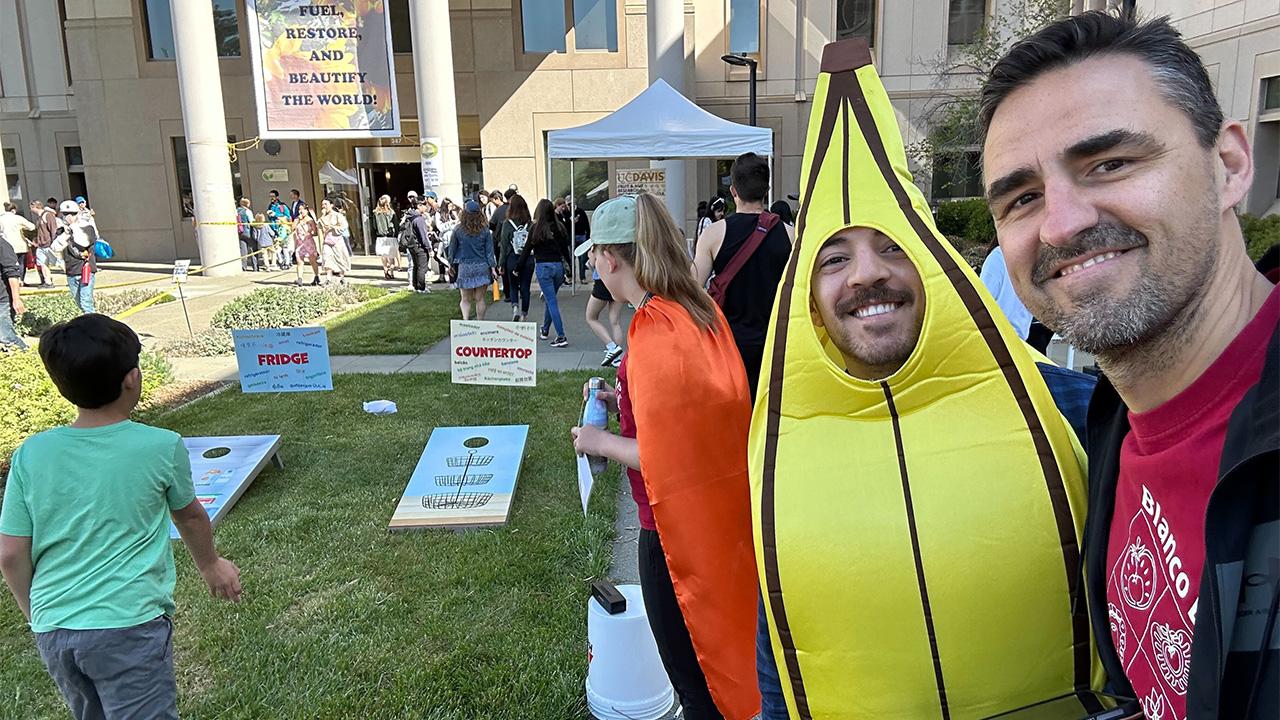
{"points": [[580, 226], [244, 230], [471, 250], [305, 233], [684, 409], [386, 245], [714, 214], [75, 239], [333, 231], [14, 229], [601, 300], [46, 221], [295, 203], [549, 246], [517, 269], [264, 235], [11, 305], [421, 248]]}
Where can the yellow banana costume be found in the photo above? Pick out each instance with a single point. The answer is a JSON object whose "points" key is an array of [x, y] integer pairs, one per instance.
{"points": [[918, 537]]}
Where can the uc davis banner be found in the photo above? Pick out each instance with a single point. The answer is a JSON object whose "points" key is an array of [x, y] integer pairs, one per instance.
{"points": [[324, 69]]}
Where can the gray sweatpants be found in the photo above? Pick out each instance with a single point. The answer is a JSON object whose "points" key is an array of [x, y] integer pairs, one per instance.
{"points": [[120, 673]]}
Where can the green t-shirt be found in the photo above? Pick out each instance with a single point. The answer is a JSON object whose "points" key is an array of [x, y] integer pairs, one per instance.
{"points": [[95, 503]]}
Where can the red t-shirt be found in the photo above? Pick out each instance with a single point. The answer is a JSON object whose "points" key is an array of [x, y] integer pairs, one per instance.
{"points": [[627, 429], [1168, 468]]}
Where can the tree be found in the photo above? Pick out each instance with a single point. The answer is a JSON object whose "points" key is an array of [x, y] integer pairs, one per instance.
{"points": [[952, 116]]}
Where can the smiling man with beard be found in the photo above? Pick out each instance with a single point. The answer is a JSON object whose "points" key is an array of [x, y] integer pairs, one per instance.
{"points": [[917, 487], [1113, 179]]}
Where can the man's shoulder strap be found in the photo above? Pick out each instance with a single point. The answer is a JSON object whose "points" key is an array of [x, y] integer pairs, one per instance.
{"points": [[720, 283]]}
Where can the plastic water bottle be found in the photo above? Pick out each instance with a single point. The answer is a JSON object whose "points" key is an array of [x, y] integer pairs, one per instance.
{"points": [[595, 413]]}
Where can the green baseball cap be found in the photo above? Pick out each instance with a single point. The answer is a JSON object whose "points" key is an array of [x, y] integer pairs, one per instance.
{"points": [[613, 223]]}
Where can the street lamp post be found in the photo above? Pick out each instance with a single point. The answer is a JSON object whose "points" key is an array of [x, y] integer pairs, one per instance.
{"points": [[742, 60]]}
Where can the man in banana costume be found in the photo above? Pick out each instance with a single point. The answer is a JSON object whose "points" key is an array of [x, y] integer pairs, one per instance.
{"points": [[918, 497]]}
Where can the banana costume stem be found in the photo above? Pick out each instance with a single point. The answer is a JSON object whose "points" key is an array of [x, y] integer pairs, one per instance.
{"points": [[964, 485]]}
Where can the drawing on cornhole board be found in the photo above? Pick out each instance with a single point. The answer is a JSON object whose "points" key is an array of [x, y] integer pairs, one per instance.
{"points": [[222, 468], [465, 478]]}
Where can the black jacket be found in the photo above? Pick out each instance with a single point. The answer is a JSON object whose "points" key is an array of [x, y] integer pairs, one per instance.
{"points": [[1239, 585]]}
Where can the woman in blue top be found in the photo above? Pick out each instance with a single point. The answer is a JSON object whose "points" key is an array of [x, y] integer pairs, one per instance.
{"points": [[471, 250]]}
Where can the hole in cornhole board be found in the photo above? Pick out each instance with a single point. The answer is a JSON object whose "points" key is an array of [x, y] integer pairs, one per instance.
{"points": [[216, 452], [475, 442]]}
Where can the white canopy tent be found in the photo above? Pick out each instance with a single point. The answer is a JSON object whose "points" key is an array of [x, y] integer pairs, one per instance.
{"points": [[658, 124]]}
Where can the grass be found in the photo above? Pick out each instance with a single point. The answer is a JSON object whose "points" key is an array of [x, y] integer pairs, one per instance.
{"points": [[342, 619], [398, 324]]}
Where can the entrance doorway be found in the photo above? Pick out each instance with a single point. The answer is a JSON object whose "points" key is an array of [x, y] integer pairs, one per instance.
{"points": [[382, 171]]}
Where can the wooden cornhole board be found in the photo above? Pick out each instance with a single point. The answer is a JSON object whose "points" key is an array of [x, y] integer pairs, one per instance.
{"points": [[466, 478], [223, 467]]}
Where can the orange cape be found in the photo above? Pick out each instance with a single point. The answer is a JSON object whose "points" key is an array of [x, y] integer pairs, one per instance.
{"points": [[692, 408]]}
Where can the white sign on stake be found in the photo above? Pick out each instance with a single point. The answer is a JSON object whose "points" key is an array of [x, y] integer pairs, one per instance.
{"points": [[432, 165], [493, 353], [180, 268]]}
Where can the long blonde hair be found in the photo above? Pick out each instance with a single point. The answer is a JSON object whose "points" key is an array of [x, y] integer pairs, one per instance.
{"points": [[384, 205], [661, 262]]}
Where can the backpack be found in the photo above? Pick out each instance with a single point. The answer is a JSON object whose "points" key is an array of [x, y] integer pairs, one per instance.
{"points": [[519, 237], [408, 238]]}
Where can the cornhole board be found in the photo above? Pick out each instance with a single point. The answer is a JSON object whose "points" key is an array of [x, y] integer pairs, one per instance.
{"points": [[466, 478], [223, 467]]}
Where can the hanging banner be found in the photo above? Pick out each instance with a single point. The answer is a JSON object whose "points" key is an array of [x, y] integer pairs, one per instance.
{"points": [[432, 167], [323, 70], [648, 180]]}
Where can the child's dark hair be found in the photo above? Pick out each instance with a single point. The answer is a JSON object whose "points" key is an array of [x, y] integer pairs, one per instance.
{"points": [[88, 357]]}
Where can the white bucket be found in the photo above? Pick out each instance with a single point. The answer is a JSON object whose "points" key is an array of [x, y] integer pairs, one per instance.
{"points": [[625, 677]]}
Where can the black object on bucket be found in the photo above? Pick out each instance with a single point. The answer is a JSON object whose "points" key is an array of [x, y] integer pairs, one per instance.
{"points": [[608, 596]]}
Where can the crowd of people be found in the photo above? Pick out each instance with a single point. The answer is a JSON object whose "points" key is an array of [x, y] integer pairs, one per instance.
{"points": [[58, 237], [861, 492]]}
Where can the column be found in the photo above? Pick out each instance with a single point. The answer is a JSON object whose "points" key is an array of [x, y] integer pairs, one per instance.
{"points": [[666, 61], [433, 79], [200, 87]]}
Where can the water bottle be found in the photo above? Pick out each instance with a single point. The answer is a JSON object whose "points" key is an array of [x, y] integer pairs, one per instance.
{"points": [[595, 413]]}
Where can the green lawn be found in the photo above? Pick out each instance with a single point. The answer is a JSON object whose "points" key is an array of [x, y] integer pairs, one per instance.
{"points": [[342, 619], [398, 324]]}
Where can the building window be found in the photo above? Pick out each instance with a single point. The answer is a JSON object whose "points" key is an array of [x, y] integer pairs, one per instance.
{"points": [[958, 176], [182, 169], [856, 18], [12, 181], [964, 21], [595, 25], [159, 23], [744, 26], [401, 28], [1271, 93], [543, 23], [590, 181], [75, 172]]}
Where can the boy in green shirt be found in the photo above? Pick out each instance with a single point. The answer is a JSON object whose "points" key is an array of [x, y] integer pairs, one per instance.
{"points": [[84, 532]]}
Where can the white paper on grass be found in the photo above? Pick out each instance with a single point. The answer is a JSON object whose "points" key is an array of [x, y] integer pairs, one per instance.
{"points": [[585, 481], [380, 407]]}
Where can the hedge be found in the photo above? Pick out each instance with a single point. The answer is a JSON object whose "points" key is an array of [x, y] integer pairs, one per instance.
{"points": [[1260, 234], [289, 306], [34, 404], [966, 223], [46, 310]]}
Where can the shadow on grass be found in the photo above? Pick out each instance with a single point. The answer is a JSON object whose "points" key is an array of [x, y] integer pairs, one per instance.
{"points": [[341, 618], [399, 324]]}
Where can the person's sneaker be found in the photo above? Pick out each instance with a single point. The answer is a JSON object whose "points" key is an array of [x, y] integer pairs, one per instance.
{"points": [[542, 333], [561, 341], [617, 362], [515, 316], [611, 353], [298, 282]]}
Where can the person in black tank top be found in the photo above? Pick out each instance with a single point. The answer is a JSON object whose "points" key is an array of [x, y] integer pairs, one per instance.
{"points": [[748, 300]]}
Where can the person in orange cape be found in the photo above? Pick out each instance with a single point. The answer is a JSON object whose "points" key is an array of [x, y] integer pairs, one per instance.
{"points": [[684, 413]]}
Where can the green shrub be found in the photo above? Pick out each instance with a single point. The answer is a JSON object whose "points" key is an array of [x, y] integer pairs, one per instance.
{"points": [[45, 311], [209, 343], [1260, 234], [966, 222], [276, 307], [33, 403]]}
